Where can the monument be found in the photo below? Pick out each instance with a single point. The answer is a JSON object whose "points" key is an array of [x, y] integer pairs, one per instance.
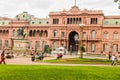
{"points": [[20, 43]]}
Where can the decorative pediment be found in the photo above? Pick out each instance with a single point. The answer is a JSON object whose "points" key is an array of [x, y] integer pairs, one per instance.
{"points": [[64, 12], [74, 9]]}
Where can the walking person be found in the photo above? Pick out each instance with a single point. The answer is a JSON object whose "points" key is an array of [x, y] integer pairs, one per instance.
{"points": [[3, 57], [113, 60]]}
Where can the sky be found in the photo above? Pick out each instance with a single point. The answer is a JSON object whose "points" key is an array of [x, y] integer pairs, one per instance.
{"points": [[41, 8]]}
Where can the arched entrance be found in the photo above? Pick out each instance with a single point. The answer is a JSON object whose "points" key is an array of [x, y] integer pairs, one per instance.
{"points": [[73, 42]]}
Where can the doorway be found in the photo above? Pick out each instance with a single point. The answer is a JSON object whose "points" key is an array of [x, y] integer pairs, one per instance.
{"points": [[73, 42]]}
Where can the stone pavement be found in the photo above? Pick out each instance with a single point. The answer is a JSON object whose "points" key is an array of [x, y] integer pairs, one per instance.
{"points": [[27, 61]]}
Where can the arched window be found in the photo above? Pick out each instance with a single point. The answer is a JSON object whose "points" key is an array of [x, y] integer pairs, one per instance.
{"points": [[105, 47], [93, 34], [105, 35], [4, 32], [115, 35], [30, 33], [46, 33], [34, 32], [40, 33]]}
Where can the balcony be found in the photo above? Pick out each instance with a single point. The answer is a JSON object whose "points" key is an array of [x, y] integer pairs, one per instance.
{"points": [[92, 39], [57, 38]]}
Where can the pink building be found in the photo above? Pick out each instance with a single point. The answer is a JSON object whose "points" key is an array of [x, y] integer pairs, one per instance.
{"points": [[100, 33]]}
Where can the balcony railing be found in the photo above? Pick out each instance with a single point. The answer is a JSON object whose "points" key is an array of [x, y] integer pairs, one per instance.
{"points": [[84, 38], [57, 38], [91, 39]]}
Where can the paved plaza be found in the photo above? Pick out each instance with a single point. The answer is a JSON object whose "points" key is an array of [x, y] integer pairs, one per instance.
{"points": [[27, 61]]}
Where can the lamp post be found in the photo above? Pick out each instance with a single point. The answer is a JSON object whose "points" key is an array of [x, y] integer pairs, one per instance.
{"points": [[111, 47], [42, 45], [42, 40], [81, 36]]}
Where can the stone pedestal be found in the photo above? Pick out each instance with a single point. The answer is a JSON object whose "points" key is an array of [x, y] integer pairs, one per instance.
{"points": [[20, 44]]}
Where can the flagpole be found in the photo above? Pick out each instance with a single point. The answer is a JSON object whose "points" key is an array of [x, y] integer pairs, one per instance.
{"points": [[75, 2]]}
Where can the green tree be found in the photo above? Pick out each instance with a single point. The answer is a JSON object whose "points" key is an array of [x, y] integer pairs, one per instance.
{"points": [[82, 48], [49, 50]]}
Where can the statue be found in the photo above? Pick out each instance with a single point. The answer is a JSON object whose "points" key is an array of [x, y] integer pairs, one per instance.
{"points": [[21, 32]]}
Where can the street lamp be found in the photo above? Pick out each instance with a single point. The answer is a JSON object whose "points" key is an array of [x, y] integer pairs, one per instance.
{"points": [[43, 47], [81, 36], [111, 47]]}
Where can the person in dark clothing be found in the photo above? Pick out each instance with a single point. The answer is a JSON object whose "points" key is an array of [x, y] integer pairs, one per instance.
{"points": [[32, 57], [109, 55], [3, 57]]}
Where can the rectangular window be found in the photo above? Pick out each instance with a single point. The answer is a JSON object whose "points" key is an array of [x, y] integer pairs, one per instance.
{"points": [[84, 35], [105, 47], [56, 21], [94, 20], [0, 44], [6, 43], [93, 47], [63, 35], [106, 35], [55, 34], [115, 35], [37, 45], [115, 47]]}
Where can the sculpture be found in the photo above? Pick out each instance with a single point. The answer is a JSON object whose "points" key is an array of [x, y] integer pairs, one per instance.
{"points": [[21, 32]]}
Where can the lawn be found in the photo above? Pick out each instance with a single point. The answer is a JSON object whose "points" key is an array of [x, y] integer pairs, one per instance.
{"points": [[38, 72], [80, 61]]}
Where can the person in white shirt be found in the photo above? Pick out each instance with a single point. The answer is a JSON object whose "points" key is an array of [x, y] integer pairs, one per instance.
{"points": [[113, 59]]}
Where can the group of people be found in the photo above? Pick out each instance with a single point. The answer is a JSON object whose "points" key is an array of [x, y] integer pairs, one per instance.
{"points": [[39, 56], [9, 55], [3, 56], [113, 58]]}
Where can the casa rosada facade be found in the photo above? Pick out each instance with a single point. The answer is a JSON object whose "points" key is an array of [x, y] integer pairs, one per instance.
{"points": [[100, 33]]}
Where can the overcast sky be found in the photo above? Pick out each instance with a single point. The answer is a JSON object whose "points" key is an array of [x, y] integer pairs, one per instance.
{"points": [[41, 8]]}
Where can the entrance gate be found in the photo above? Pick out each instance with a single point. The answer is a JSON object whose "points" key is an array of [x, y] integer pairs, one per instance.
{"points": [[73, 42]]}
